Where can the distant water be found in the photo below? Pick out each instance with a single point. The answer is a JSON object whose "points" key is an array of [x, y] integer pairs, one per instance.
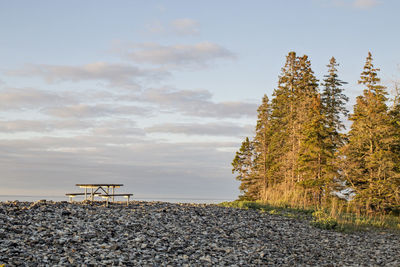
{"points": [[65, 198]]}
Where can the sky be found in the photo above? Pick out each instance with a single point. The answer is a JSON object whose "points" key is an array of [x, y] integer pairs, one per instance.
{"points": [[158, 95]]}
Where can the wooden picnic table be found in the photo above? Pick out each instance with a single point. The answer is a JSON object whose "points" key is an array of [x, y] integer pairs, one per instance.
{"points": [[101, 190]]}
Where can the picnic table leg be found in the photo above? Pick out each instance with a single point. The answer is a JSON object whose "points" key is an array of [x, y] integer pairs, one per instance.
{"points": [[113, 193], [85, 193], [92, 196], [70, 199], [127, 201]]}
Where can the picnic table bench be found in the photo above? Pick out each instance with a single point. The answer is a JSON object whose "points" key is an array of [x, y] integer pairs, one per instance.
{"points": [[100, 190]]}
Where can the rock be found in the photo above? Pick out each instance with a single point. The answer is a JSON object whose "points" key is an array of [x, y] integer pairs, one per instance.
{"points": [[65, 213], [167, 234], [71, 260]]}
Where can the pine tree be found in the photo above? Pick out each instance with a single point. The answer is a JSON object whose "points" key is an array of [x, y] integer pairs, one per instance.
{"points": [[371, 164], [315, 153], [314, 149], [253, 161], [264, 152], [290, 114], [394, 114], [284, 119], [244, 168], [334, 104], [334, 107], [293, 99]]}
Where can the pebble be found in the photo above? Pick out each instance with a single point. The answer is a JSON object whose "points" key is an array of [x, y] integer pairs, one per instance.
{"points": [[46, 233]]}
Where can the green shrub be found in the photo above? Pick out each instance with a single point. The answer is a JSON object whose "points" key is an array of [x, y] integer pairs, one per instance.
{"points": [[323, 220], [273, 212]]}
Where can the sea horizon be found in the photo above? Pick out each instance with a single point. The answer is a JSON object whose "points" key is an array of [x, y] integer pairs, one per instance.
{"points": [[33, 198]]}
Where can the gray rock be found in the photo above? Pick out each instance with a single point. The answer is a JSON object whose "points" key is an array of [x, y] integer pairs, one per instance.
{"points": [[166, 234]]}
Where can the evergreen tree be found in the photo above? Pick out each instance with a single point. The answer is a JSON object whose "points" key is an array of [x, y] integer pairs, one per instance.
{"points": [[264, 152], [334, 104], [243, 166], [371, 163], [283, 110], [334, 107], [297, 87], [284, 117], [315, 153], [394, 114]]}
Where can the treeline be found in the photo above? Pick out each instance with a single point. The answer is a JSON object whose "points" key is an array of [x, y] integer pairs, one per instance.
{"points": [[301, 153]]}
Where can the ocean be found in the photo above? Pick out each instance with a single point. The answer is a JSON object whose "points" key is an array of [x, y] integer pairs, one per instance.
{"points": [[65, 198]]}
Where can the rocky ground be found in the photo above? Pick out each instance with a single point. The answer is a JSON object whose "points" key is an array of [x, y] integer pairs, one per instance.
{"points": [[165, 234]]}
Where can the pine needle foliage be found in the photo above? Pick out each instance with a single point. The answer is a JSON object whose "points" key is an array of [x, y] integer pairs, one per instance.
{"points": [[370, 156], [300, 153]]}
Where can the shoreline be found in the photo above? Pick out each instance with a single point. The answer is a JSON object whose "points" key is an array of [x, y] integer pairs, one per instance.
{"points": [[179, 234], [23, 198]]}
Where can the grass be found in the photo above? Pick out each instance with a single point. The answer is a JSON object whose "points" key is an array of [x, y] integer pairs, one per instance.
{"points": [[336, 217], [284, 210]]}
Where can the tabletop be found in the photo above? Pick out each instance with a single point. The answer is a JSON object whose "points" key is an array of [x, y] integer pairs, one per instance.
{"points": [[99, 185]]}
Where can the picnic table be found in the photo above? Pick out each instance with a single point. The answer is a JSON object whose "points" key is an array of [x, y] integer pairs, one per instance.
{"points": [[100, 190]]}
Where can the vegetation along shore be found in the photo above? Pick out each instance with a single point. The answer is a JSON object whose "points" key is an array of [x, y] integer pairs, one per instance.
{"points": [[303, 157]]}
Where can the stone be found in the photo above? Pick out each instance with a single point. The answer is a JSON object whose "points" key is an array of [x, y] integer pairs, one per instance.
{"points": [[168, 234]]}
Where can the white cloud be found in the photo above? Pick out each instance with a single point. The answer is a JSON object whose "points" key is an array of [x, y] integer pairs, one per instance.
{"points": [[22, 126], [30, 98], [365, 4], [185, 26], [113, 74], [41, 126], [113, 131], [104, 143], [97, 129], [56, 164], [197, 55], [156, 27], [197, 103], [181, 27], [98, 110], [79, 111], [213, 129], [358, 4]]}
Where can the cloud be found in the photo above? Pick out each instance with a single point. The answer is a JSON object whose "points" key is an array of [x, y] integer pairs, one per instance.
{"points": [[97, 129], [181, 27], [197, 103], [114, 128], [30, 98], [16, 126], [113, 74], [118, 131], [197, 55], [185, 26], [213, 129], [358, 4], [22, 126], [156, 27], [54, 165], [97, 110], [102, 147], [365, 4]]}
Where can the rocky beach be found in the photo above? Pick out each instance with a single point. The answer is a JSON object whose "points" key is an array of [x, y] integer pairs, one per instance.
{"points": [[166, 234]]}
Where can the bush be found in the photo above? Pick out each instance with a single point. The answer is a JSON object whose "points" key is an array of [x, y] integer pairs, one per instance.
{"points": [[323, 220]]}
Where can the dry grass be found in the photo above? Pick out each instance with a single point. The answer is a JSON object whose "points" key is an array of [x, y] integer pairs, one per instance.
{"points": [[331, 213]]}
